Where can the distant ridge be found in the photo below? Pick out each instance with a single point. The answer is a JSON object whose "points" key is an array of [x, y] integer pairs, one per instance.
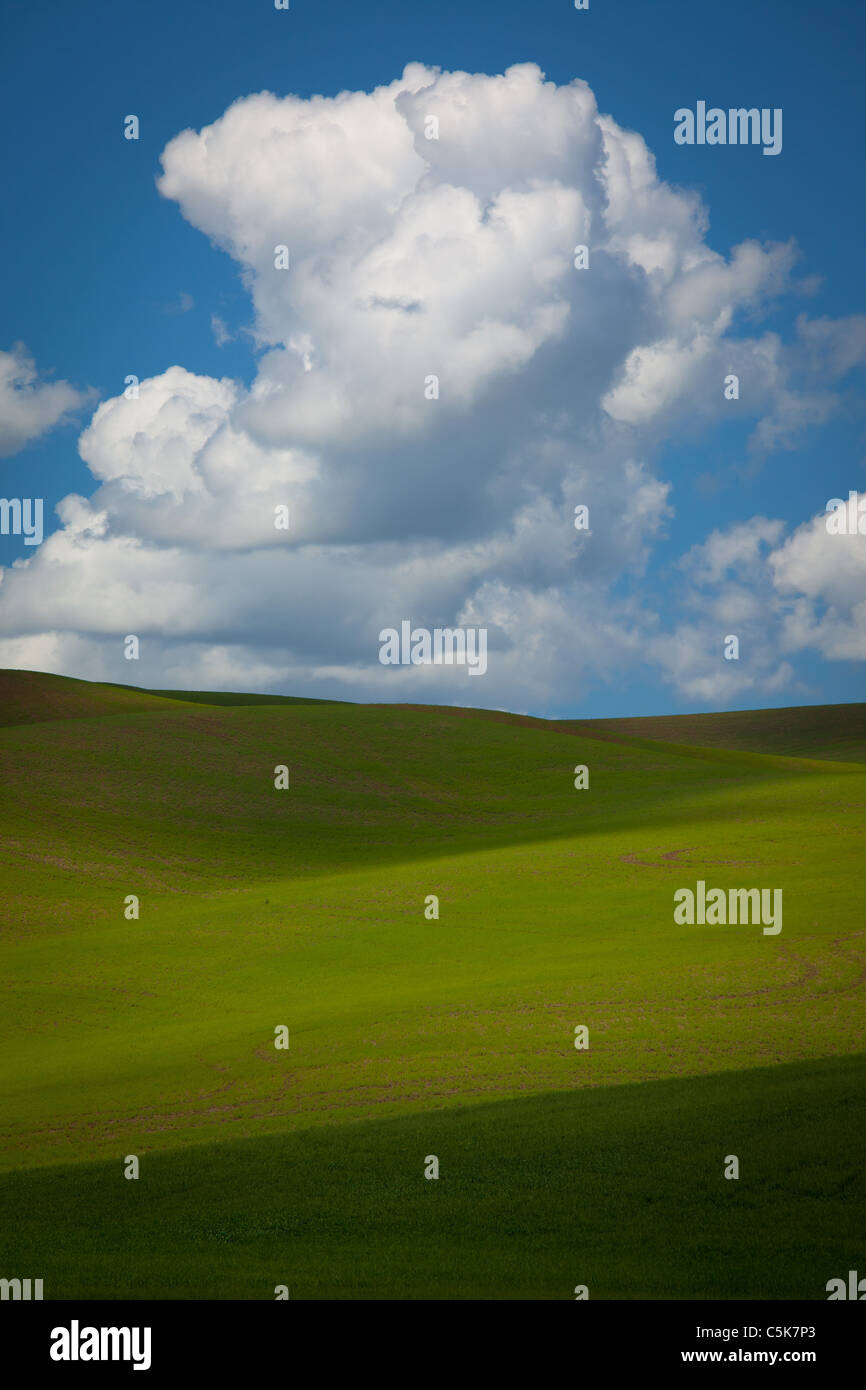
{"points": [[230, 697], [836, 732], [33, 697], [829, 732]]}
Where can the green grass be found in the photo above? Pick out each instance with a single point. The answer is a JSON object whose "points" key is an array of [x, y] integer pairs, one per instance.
{"points": [[306, 908], [31, 697], [231, 697], [836, 732], [620, 1190]]}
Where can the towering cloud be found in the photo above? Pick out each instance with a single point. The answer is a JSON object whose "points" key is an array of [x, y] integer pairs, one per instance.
{"points": [[441, 380]]}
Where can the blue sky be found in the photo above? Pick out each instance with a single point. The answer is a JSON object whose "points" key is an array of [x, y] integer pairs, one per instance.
{"points": [[103, 277]]}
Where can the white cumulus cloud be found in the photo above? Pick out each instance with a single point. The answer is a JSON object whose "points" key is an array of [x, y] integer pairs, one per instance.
{"points": [[30, 407], [411, 259]]}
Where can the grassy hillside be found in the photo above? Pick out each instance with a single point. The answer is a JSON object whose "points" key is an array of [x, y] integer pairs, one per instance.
{"points": [[412, 1036], [188, 795], [31, 697], [837, 732], [231, 697], [619, 1189]]}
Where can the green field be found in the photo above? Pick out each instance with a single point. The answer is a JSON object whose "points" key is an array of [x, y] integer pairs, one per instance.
{"points": [[413, 1037]]}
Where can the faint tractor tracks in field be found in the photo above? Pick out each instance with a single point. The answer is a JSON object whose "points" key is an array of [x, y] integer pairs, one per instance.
{"points": [[811, 971], [202, 1114], [858, 960], [669, 856]]}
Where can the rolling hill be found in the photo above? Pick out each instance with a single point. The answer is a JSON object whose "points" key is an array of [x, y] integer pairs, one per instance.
{"points": [[414, 1034], [836, 732]]}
